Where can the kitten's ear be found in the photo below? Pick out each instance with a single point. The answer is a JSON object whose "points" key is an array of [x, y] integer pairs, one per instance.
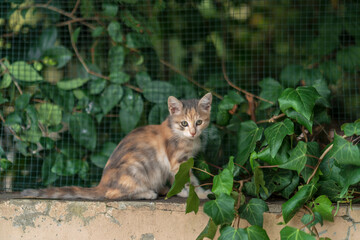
{"points": [[175, 106], [205, 102]]}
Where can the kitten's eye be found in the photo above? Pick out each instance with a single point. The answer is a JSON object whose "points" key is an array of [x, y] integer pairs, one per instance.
{"points": [[198, 122], [184, 123]]}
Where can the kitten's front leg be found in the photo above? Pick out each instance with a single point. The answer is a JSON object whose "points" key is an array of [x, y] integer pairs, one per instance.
{"points": [[202, 193]]}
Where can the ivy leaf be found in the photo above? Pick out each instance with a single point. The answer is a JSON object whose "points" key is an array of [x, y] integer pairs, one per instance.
{"points": [[22, 101], [158, 113], [110, 97], [291, 75], [249, 133], [223, 182], [297, 158], [275, 181], [276, 133], [5, 81], [181, 178], [72, 84], [259, 181], [116, 58], [5, 164], [97, 86], [131, 109], [344, 151], [24, 72], [290, 207], [119, 77], [322, 205], [142, 78], [290, 233], [60, 54], [270, 90], [209, 231], [349, 58], [221, 210], [351, 128], [253, 211], [193, 201], [66, 167], [298, 117], [301, 99], [82, 129], [350, 175], [307, 218], [114, 30], [289, 189], [48, 177], [49, 114], [158, 91], [256, 233], [230, 233], [332, 71]]}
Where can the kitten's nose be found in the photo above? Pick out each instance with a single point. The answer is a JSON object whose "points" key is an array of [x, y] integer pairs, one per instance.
{"points": [[193, 133]]}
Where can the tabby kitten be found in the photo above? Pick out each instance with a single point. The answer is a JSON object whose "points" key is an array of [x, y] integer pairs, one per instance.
{"points": [[147, 157]]}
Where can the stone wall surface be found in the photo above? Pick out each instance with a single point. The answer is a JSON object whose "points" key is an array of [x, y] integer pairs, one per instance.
{"points": [[137, 220]]}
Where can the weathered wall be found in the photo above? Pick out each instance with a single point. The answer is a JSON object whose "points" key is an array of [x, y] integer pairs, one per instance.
{"points": [[160, 220]]}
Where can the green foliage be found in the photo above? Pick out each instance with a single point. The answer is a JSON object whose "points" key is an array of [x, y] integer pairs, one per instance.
{"points": [[56, 98]]}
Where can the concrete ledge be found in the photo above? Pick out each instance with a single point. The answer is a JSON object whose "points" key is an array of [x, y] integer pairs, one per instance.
{"points": [[143, 220]]}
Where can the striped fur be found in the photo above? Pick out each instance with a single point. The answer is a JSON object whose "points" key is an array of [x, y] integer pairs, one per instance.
{"points": [[147, 157]]}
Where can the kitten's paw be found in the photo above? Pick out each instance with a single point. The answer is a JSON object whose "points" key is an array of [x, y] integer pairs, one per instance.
{"points": [[151, 195], [202, 194], [184, 193]]}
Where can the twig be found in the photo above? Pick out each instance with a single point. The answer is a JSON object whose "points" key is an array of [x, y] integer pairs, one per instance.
{"points": [[201, 170], [319, 162], [238, 204], [238, 88], [75, 8], [243, 168], [190, 79], [312, 213], [10, 129], [271, 120], [60, 24], [269, 166], [204, 184]]}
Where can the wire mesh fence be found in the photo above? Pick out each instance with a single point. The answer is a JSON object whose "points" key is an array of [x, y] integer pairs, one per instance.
{"points": [[77, 76]]}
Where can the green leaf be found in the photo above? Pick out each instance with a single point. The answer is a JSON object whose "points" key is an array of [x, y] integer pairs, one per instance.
{"points": [[131, 110], [119, 77], [47, 175], [323, 205], [49, 114], [158, 113], [270, 90], [344, 151], [66, 167], [116, 58], [291, 75], [110, 10], [201, 163], [47, 143], [349, 58], [230, 233], [97, 86], [5, 164], [84, 170], [128, 18], [75, 34], [158, 91], [351, 128], [22, 101], [5, 81], [142, 78], [276, 133], [259, 180], [193, 201], [13, 118], [71, 84], [99, 160], [181, 178], [222, 117], [275, 181], [290, 233], [298, 117], [307, 218], [32, 135], [24, 72], [253, 211], [209, 231], [82, 129], [297, 158], [221, 210], [114, 30], [290, 207], [256, 233], [60, 54], [110, 97], [137, 40], [289, 189], [350, 175], [97, 32], [223, 183], [249, 133], [301, 99]]}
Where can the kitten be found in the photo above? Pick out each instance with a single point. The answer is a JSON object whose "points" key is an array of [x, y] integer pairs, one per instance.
{"points": [[147, 157]]}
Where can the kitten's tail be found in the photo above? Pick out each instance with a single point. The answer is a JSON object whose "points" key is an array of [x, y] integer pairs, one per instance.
{"points": [[72, 192]]}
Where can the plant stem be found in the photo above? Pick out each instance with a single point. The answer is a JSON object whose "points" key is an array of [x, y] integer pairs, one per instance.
{"points": [[319, 162], [271, 120], [201, 170]]}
